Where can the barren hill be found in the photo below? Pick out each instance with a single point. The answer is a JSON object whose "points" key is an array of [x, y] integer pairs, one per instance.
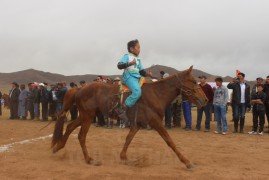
{"points": [[32, 75]]}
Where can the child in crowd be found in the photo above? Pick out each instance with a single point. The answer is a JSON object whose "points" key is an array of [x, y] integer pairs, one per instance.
{"points": [[258, 110]]}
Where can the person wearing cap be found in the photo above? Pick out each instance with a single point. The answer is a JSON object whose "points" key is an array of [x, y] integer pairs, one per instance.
{"points": [[14, 101], [44, 99], [240, 100], [206, 109], [22, 102], [82, 83], [116, 80], [220, 101]]}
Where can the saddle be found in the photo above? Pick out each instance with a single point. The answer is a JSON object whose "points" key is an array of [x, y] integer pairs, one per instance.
{"points": [[124, 88]]}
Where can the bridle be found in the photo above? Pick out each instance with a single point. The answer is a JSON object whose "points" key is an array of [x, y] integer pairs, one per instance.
{"points": [[183, 88]]}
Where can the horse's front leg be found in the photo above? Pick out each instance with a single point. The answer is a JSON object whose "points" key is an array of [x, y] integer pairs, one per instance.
{"points": [[156, 124], [134, 129]]}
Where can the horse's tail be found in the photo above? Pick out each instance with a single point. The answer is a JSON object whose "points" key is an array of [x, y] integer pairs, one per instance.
{"points": [[58, 129], [69, 100]]}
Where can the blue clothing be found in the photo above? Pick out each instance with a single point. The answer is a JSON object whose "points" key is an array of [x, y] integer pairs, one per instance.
{"points": [[131, 71], [22, 103], [220, 115], [130, 78], [186, 106], [134, 86]]}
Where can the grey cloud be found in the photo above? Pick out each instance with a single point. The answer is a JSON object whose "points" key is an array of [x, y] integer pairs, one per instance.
{"points": [[83, 37]]}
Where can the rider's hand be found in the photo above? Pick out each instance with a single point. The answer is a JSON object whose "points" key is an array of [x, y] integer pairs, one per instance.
{"points": [[132, 62]]}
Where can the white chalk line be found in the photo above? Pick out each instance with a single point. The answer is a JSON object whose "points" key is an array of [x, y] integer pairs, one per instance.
{"points": [[7, 147]]}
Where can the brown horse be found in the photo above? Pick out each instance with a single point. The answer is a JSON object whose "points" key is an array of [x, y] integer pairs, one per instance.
{"points": [[99, 97], [6, 101]]}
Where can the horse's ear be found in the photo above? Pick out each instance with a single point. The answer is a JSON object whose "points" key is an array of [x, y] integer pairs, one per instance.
{"points": [[190, 69]]}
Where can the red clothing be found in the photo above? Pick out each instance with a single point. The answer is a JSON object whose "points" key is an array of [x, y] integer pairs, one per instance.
{"points": [[208, 92]]}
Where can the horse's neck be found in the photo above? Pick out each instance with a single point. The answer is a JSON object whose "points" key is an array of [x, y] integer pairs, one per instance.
{"points": [[167, 90]]}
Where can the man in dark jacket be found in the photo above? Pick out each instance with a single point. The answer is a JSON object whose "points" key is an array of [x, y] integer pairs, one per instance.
{"points": [[207, 109], [44, 98], [14, 101], [240, 100], [60, 92], [53, 102]]}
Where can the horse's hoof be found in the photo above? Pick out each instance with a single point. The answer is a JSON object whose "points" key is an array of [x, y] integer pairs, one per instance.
{"points": [[94, 162], [189, 166], [54, 150]]}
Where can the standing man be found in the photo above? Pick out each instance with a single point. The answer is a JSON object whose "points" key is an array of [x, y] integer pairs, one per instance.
{"points": [[220, 101], [30, 101], [266, 104], [36, 93], [207, 109], [44, 99], [240, 100], [22, 102], [14, 101], [168, 109]]}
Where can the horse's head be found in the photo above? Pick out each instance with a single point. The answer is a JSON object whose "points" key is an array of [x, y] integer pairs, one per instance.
{"points": [[190, 89]]}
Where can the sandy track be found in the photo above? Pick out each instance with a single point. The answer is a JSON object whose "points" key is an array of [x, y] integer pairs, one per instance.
{"points": [[234, 156]]}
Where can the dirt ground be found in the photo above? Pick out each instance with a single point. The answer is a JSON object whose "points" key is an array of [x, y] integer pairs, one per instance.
{"points": [[25, 153]]}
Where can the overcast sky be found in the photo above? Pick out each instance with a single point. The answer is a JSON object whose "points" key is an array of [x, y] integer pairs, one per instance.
{"points": [[73, 37]]}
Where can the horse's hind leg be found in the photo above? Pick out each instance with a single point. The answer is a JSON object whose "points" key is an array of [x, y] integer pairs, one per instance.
{"points": [[69, 129], [156, 124], [86, 122], [129, 138]]}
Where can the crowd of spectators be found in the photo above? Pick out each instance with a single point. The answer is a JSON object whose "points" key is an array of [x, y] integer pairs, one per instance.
{"points": [[27, 103]]}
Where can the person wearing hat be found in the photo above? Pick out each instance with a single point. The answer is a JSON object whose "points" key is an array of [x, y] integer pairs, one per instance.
{"points": [[206, 109], [14, 101], [116, 80]]}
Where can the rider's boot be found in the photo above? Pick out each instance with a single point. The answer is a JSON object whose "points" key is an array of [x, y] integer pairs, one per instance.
{"points": [[121, 111]]}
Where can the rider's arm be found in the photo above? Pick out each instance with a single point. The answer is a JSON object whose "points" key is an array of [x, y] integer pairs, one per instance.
{"points": [[124, 62]]}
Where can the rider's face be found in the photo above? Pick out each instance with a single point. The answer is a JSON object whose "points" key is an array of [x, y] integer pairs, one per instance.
{"points": [[136, 50]]}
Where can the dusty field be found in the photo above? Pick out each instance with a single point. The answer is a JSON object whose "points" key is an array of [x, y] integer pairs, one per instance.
{"points": [[232, 156]]}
